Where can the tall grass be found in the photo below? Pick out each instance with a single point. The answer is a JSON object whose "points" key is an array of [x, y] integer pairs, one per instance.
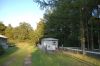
{"points": [[84, 58], [40, 58]]}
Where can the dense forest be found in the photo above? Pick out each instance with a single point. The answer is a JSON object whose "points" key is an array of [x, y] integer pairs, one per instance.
{"points": [[72, 22]]}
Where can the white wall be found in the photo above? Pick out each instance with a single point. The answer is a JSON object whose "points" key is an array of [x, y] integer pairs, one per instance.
{"points": [[49, 45]]}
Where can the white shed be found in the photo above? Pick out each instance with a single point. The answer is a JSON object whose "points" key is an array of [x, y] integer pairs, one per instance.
{"points": [[49, 43]]}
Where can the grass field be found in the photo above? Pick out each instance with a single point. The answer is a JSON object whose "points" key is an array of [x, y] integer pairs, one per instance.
{"points": [[40, 58], [16, 57]]}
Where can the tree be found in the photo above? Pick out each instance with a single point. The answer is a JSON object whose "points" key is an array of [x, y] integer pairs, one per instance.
{"points": [[2, 28], [60, 23], [22, 31], [39, 32], [9, 32], [46, 3], [68, 20]]}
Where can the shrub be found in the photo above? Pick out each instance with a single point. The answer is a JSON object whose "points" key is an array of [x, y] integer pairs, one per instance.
{"points": [[1, 50], [11, 44]]}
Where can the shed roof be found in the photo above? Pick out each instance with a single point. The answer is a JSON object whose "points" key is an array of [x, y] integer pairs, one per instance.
{"points": [[2, 36], [49, 39]]}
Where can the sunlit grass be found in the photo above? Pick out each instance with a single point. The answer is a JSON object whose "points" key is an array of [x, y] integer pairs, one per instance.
{"points": [[40, 58], [84, 58], [23, 50]]}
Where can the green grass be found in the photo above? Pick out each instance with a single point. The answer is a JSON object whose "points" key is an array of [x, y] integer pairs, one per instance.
{"points": [[40, 58], [8, 54], [84, 58], [22, 54], [17, 57]]}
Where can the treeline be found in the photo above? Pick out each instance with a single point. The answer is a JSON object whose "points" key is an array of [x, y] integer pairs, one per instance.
{"points": [[71, 22], [22, 33]]}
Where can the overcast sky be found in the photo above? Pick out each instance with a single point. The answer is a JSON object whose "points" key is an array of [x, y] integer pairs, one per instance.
{"points": [[15, 11]]}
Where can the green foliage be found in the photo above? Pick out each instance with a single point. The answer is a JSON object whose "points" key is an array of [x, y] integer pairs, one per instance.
{"points": [[19, 33], [22, 31], [2, 28], [9, 32], [40, 58], [46, 3], [39, 32], [11, 44], [70, 21], [62, 23], [1, 50]]}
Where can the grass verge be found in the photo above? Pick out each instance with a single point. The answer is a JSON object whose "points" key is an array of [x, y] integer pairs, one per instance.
{"points": [[84, 58], [40, 58]]}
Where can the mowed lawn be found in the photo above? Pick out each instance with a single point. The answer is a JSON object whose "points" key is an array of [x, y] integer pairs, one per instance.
{"points": [[16, 57], [40, 58]]}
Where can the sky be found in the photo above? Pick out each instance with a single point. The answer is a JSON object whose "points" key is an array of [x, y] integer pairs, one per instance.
{"points": [[15, 11]]}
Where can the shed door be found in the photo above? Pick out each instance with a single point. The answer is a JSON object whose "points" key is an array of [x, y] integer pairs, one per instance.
{"points": [[51, 45]]}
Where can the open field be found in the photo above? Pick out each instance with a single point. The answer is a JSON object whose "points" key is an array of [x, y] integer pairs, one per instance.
{"points": [[26, 55]]}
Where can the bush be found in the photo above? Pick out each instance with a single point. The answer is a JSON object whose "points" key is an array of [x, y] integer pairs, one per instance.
{"points": [[1, 50], [11, 44]]}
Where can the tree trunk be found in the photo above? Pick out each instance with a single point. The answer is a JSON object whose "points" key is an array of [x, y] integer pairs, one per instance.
{"points": [[87, 36], [82, 39], [86, 28], [99, 40], [92, 41], [82, 32]]}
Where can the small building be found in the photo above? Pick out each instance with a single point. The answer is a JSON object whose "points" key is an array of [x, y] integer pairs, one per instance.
{"points": [[3, 41], [49, 44]]}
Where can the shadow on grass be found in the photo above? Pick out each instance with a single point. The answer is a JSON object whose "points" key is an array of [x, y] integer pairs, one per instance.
{"points": [[40, 58], [7, 55], [9, 51], [96, 56]]}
